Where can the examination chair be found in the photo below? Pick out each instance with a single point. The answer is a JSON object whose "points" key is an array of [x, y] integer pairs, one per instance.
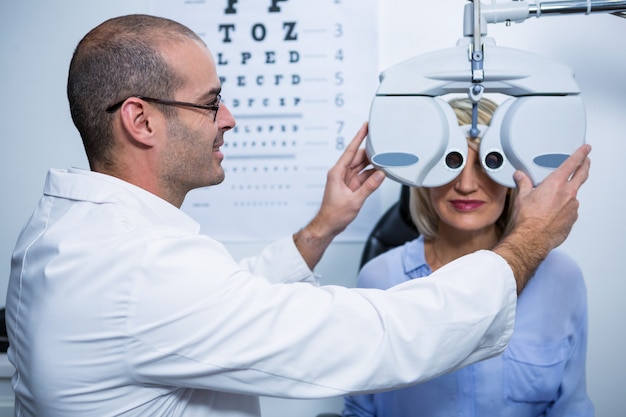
{"points": [[394, 228], [4, 338]]}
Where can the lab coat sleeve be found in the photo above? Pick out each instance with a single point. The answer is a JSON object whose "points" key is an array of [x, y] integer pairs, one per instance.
{"points": [[228, 330], [280, 262]]}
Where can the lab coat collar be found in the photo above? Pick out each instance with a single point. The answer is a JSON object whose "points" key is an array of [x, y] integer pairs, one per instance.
{"points": [[83, 185]]}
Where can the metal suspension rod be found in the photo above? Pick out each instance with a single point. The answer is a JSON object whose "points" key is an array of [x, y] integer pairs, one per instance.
{"points": [[577, 7], [520, 10]]}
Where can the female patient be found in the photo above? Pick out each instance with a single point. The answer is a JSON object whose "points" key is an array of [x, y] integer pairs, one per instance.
{"points": [[542, 371]]}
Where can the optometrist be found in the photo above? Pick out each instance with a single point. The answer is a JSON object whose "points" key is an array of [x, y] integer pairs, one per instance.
{"points": [[117, 305]]}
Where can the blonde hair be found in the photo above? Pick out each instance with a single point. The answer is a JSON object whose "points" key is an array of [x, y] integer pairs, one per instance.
{"points": [[422, 211]]}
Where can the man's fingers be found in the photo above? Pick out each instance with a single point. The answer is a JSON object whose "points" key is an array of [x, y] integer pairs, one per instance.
{"points": [[370, 181], [353, 146], [571, 166], [359, 161], [581, 174], [575, 169], [524, 183]]}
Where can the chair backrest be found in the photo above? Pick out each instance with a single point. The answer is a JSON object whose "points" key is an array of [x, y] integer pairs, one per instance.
{"points": [[394, 228], [4, 338]]}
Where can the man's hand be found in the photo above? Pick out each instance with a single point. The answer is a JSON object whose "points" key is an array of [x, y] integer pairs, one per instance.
{"points": [[544, 215], [348, 185]]}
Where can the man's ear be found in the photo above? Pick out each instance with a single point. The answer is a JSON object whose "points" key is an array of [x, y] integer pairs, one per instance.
{"points": [[139, 120]]}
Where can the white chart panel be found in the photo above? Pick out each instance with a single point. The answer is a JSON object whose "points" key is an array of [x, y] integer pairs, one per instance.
{"points": [[299, 77]]}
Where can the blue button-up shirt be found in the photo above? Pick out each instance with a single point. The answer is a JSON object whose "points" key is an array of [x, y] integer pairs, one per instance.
{"points": [[541, 373]]}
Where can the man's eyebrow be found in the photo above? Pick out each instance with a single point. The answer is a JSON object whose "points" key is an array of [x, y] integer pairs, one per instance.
{"points": [[212, 93]]}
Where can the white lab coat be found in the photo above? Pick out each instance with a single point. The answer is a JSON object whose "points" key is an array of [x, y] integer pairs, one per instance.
{"points": [[118, 306]]}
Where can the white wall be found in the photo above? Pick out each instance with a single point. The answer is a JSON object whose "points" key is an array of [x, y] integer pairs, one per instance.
{"points": [[37, 38]]}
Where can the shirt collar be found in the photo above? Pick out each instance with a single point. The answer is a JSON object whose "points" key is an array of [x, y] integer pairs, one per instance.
{"points": [[81, 184], [414, 259]]}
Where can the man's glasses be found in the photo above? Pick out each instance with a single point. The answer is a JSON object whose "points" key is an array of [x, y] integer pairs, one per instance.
{"points": [[213, 107]]}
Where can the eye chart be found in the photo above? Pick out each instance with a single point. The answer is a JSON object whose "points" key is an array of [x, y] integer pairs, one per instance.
{"points": [[298, 77]]}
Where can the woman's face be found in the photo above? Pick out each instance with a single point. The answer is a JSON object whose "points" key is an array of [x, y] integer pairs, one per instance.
{"points": [[472, 202]]}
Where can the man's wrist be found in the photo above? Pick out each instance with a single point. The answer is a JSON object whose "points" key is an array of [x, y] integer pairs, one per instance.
{"points": [[524, 249], [312, 241]]}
